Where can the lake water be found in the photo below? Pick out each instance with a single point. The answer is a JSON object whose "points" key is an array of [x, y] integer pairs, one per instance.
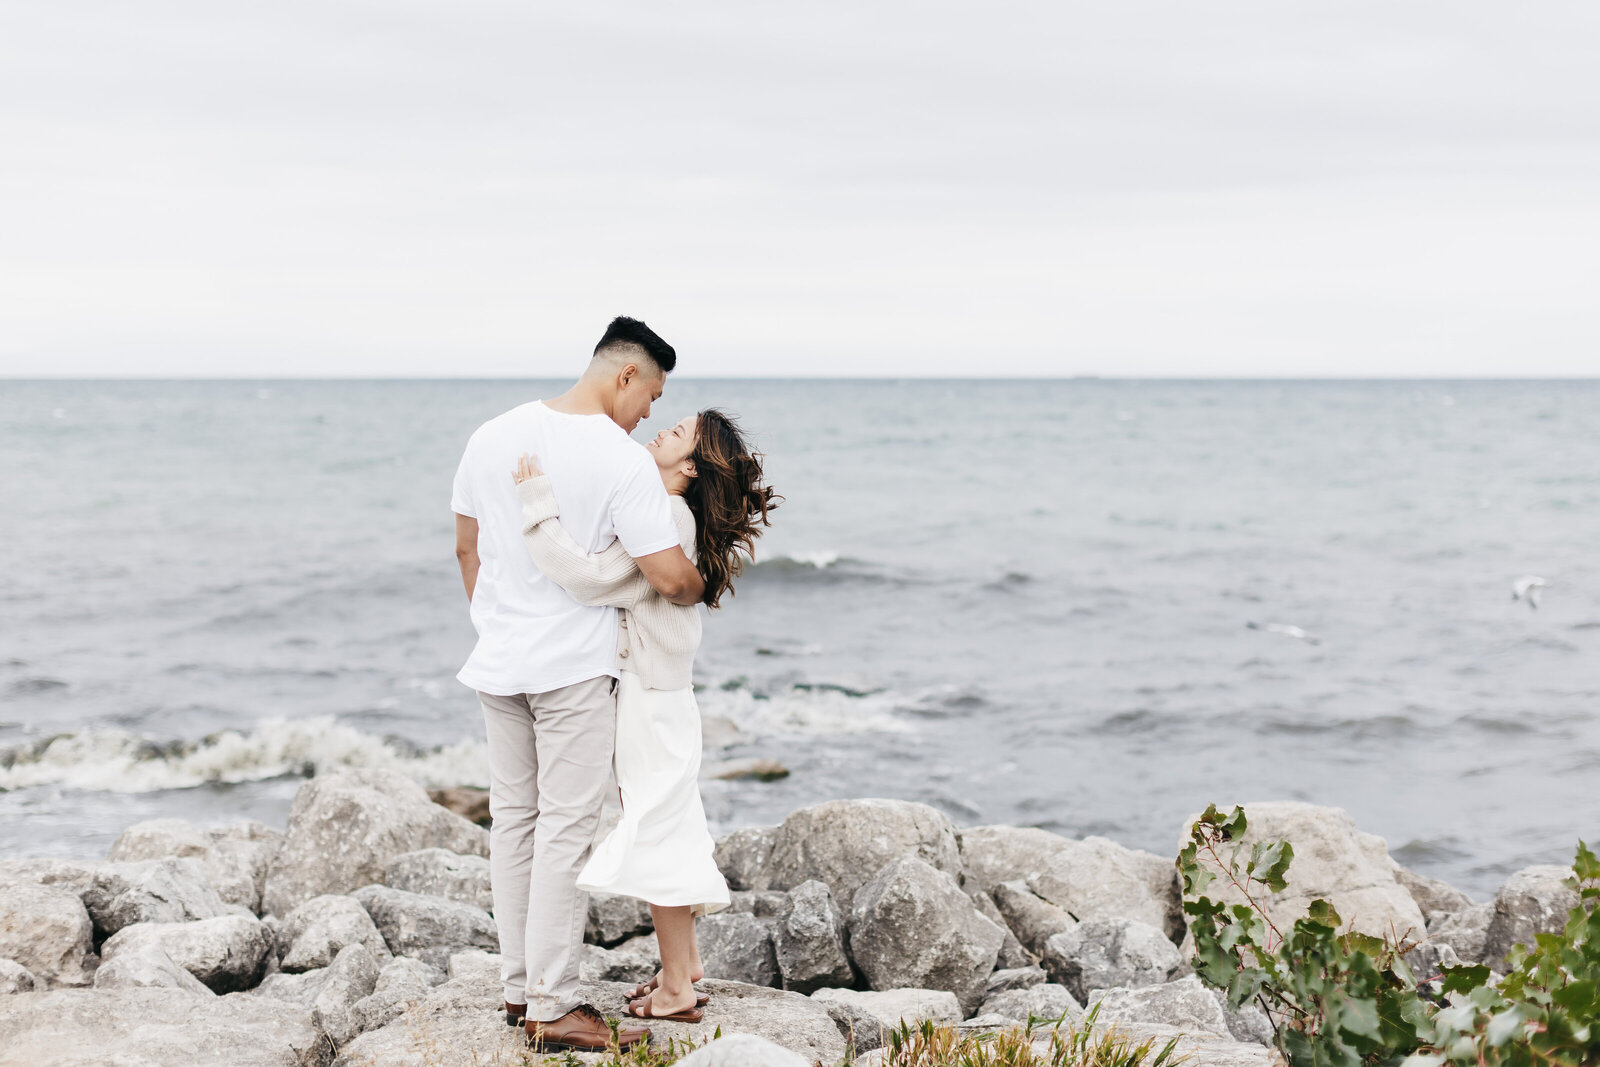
{"points": [[1067, 603]]}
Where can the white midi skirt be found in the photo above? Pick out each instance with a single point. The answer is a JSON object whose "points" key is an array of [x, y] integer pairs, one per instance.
{"points": [[661, 851]]}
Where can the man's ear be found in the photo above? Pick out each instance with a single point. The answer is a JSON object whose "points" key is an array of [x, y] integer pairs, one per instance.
{"points": [[629, 372]]}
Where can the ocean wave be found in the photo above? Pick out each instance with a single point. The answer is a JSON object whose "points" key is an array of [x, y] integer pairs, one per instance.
{"points": [[123, 762], [818, 568], [805, 709]]}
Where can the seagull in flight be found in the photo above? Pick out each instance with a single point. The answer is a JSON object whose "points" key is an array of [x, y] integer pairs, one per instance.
{"points": [[1527, 588]]}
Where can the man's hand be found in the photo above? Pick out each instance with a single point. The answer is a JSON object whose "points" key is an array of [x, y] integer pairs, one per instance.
{"points": [[527, 467], [671, 574], [467, 551]]}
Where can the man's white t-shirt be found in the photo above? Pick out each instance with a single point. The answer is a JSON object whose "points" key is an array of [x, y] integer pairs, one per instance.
{"points": [[532, 636]]}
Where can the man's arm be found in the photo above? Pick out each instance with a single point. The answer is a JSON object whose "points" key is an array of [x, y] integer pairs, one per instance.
{"points": [[467, 551], [671, 574]]}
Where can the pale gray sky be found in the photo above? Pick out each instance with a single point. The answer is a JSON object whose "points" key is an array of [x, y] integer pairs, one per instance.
{"points": [[416, 187]]}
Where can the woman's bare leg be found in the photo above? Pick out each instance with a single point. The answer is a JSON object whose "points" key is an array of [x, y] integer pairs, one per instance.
{"points": [[680, 960]]}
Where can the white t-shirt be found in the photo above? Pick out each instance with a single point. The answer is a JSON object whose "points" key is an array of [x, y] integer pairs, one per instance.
{"points": [[532, 636]]}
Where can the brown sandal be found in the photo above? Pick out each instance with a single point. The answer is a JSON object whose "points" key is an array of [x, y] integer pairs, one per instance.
{"points": [[642, 1009], [644, 989]]}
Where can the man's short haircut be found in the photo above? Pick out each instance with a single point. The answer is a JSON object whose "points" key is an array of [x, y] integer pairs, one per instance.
{"points": [[626, 331]]}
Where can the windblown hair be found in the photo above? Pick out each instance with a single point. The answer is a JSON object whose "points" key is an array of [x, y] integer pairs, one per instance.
{"points": [[632, 332], [729, 502]]}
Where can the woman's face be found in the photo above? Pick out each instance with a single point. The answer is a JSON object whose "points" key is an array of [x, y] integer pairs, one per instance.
{"points": [[675, 444]]}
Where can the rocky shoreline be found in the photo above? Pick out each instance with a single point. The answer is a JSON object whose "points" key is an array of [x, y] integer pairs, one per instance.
{"points": [[362, 934]]}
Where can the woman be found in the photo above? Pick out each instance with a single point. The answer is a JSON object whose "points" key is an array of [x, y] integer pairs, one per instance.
{"points": [[661, 851]]}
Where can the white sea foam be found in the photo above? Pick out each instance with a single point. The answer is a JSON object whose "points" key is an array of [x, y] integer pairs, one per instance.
{"points": [[118, 761], [799, 712]]}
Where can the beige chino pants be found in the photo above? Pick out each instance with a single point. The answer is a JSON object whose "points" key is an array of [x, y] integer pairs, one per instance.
{"points": [[549, 765]]}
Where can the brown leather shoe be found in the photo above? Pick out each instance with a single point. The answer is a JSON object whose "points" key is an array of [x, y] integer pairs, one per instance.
{"points": [[515, 1013], [583, 1029]]}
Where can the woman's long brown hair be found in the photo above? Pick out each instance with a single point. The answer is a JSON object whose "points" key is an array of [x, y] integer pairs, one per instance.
{"points": [[729, 501]]}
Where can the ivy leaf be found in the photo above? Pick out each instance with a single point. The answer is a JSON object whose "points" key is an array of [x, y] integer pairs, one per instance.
{"points": [[1234, 826], [1505, 1026], [1586, 866], [1272, 865], [1323, 914], [1465, 979]]}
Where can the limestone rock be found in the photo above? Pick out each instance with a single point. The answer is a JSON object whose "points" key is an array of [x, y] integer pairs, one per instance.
{"points": [[634, 961], [147, 966], [994, 854], [1431, 894], [1031, 920], [1246, 1023], [47, 930], [227, 953], [1012, 954], [15, 978], [401, 983], [1533, 901], [1467, 932], [738, 948], [439, 872], [314, 933], [352, 976], [301, 988], [762, 903], [429, 928], [843, 843], [234, 860], [743, 1050], [891, 1007], [150, 1027], [614, 918], [1333, 861], [809, 941], [1044, 1001], [157, 839], [1103, 953], [862, 1030], [742, 856], [1185, 1004], [474, 965], [1015, 978], [1201, 1049], [911, 926], [171, 890], [345, 828], [1099, 879]]}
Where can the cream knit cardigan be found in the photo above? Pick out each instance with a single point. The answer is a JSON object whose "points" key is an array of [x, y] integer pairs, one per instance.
{"points": [[659, 638]]}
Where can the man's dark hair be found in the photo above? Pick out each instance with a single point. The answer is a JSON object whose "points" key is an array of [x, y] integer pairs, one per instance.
{"points": [[626, 331]]}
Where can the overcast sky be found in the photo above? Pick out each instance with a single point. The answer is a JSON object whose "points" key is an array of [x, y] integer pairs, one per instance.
{"points": [[422, 187]]}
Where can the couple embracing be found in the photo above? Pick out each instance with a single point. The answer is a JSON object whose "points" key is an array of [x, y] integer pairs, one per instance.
{"points": [[585, 558]]}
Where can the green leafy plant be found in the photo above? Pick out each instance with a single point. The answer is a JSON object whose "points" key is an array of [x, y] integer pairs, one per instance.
{"points": [[1338, 998], [1080, 1045]]}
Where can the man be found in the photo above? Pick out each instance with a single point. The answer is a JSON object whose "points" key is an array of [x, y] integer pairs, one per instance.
{"points": [[545, 666]]}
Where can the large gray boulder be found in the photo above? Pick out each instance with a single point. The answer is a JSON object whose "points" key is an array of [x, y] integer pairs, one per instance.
{"points": [[635, 960], [1533, 901], [845, 842], [1333, 861], [738, 948], [994, 854], [1012, 954], [401, 983], [861, 1030], [742, 856], [891, 1007], [1185, 1004], [1032, 920], [147, 966], [428, 928], [911, 926], [1015, 978], [15, 978], [809, 941], [226, 953], [743, 1050], [614, 918], [172, 890], [1044, 1001], [1465, 932], [345, 828], [315, 932], [762, 903], [1099, 879], [352, 977], [234, 859], [1431, 894], [438, 872], [1102, 953], [47, 930], [151, 1027]]}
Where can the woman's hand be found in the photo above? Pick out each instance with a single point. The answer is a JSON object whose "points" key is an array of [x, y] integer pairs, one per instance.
{"points": [[527, 467]]}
